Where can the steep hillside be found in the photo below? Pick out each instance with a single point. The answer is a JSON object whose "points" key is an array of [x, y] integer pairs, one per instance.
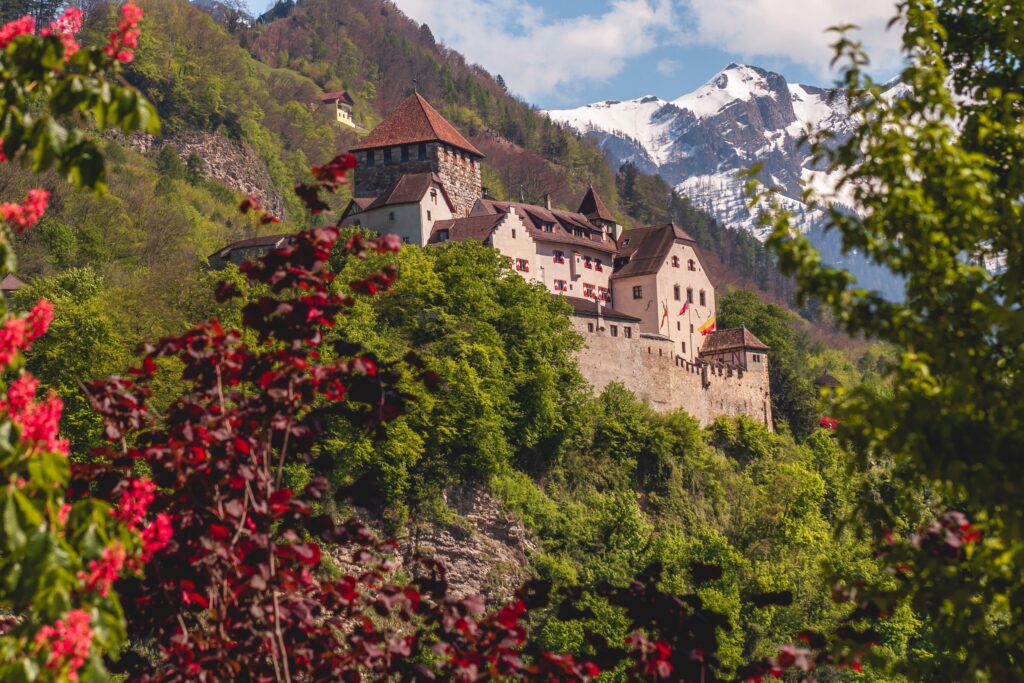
{"points": [[743, 115]]}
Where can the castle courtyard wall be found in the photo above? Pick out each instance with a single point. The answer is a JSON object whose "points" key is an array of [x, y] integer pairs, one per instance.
{"points": [[650, 368]]}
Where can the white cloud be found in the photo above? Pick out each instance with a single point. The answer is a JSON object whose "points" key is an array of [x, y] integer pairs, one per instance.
{"points": [[792, 30], [543, 57], [668, 67]]}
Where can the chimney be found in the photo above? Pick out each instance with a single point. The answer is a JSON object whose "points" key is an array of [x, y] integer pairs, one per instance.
{"points": [[547, 201]]}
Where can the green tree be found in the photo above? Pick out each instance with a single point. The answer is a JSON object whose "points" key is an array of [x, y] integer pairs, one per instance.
{"points": [[935, 175]]}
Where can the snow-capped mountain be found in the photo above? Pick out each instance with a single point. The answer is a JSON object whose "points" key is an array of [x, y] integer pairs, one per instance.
{"points": [[742, 116]]}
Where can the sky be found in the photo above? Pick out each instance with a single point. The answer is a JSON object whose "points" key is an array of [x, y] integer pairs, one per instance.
{"points": [[560, 54]]}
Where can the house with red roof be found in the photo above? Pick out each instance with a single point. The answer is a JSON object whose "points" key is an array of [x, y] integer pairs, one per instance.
{"points": [[343, 104]]}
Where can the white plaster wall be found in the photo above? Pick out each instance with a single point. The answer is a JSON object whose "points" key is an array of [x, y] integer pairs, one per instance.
{"points": [[407, 222], [512, 239]]}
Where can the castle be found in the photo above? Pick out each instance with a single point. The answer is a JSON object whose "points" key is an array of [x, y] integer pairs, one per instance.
{"points": [[639, 297]]}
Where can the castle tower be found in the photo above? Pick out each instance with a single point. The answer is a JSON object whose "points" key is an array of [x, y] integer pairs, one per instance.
{"points": [[593, 207], [415, 138]]}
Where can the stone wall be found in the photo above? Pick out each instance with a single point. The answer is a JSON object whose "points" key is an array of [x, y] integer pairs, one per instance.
{"points": [[649, 367], [459, 172]]}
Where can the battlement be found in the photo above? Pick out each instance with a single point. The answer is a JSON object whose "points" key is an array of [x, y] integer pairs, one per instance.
{"points": [[648, 366]]}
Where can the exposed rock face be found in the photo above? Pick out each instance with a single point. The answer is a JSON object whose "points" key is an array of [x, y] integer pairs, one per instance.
{"points": [[487, 556], [230, 163]]}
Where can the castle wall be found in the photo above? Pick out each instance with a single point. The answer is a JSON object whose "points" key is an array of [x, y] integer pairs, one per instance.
{"points": [[650, 368], [461, 175]]}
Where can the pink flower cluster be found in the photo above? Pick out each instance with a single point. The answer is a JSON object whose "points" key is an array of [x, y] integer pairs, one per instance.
{"points": [[68, 640], [13, 29], [135, 500], [39, 421], [65, 27], [17, 334], [27, 213], [156, 536], [104, 571], [126, 36]]}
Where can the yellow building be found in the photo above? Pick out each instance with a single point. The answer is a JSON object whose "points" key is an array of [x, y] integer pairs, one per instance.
{"points": [[343, 104]]}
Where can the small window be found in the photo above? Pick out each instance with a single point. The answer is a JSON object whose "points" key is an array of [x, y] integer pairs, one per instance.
{"points": [[442, 235], [549, 227], [684, 347], [689, 295], [405, 153], [675, 261], [703, 298], [513, 233], [691, 329], [406, 240], [423, 152], [522, 265], [590, 327], [599, 266], [627, 332], [638, 292], [370, 158], [387, 155], [625, 242], [560, 285], [588, 262], [558, 256], [588, 290], [677, 293], [615, 330], [679, 326], [433, 194], [428, 215], [391, 216], [691, 265]]}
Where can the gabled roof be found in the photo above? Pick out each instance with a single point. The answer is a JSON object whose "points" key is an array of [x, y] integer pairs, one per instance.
{"points": [[11, 282], [267, 241], [593, 207], [477, 228], [647, 248], [413, 121], [827, 380], [354, 206], [594, 309], [335, 96], [562, 222], [731, 339], [410, 188]]}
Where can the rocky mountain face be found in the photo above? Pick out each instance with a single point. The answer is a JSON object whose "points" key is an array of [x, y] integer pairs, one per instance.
{"points": [[742, 116]]}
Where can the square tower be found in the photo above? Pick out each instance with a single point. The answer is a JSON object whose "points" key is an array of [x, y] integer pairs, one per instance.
{"points": [[415, 138]]}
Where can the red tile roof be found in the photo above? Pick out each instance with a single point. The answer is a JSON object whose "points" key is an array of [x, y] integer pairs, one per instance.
{"points": [[477, 228], [590, 308], [335, 96], [593, 207], [11, 282], [410, 188], [563, 222], [414, 121], [647, 248], [731, 339]]}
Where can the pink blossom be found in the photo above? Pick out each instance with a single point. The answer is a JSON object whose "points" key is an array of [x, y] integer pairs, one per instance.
{"points": [[39, 421], [68, 641], [65, 27], [156, 536], [13, 29], [39, 319], [126, 36], [135, 500], [17, 333], [104, 571], [62, 514], [27, 213]]}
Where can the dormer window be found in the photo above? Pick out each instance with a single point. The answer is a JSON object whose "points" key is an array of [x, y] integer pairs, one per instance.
{"points": [[549, 227], [442, 235], [675, 261], [625, 242]]}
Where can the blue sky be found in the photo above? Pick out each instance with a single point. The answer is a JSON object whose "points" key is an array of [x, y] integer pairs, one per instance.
{"points": [[565, 53]]}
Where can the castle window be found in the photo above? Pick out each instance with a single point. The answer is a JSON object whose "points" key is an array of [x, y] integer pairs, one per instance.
{"points": [[615, 330], [422, 152], [588, 290], [522, 265], [405, 153], [428, 215], [590, 327], [370, 160], [433, 194], [679, 326], [703, 298], [560, 286], [558, 256], [691, 265], [625, 242], [627, 332], [757, 358], [442, 235], [675, 261], [691, 329], [513, 233], [391, 216], [676, 292], [588, 262], [638, 292], [684, 347], [689, 295], [387, 156], [549, 227], [599, 267]]}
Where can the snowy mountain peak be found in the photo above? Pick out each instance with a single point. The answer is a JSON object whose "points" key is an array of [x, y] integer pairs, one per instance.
{"points": [[736, 82]]}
